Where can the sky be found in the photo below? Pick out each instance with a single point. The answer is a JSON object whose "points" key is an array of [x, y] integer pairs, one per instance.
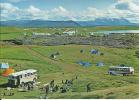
{"points": [[77, 10]]}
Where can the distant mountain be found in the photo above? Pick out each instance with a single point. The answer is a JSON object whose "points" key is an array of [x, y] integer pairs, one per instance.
{"points": [[107, 22], [39, 23], [70, 23]]}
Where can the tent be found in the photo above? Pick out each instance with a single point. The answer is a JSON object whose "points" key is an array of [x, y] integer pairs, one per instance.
{"points": [[93, 51], [85, 64], [4, 65], [8, 71], [99, 64]]}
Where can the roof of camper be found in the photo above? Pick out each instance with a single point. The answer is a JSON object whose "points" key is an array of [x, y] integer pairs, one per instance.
{"points": [[23, 72], [119, 67]]}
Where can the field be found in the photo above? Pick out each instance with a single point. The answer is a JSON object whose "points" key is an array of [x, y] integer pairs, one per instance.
{"points": [[8, 33], [103, 85], [37, 57]]}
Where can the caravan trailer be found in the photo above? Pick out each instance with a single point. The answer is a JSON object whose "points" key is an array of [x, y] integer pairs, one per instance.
{"points": [[22, 77]]}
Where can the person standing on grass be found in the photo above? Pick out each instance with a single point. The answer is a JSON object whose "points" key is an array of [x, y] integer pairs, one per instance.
{"points": [[88, 87], [46, 90]]}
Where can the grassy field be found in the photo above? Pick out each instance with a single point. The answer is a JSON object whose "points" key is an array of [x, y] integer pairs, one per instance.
{"points": [[103, 85], [7, 33]]}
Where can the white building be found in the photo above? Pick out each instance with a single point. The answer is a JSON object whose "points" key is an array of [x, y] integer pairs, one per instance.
{"points": [[34, 35], [70, 33], [91, 33]]}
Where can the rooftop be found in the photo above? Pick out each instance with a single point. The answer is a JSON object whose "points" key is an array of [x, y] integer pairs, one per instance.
{"points": [[23, 72]]}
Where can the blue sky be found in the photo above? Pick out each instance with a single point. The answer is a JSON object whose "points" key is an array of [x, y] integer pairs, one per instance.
{"points": [[69, 9], [69, 4]]}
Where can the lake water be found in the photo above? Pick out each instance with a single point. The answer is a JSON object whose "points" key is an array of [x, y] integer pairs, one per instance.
{"points": [[118, 31]]}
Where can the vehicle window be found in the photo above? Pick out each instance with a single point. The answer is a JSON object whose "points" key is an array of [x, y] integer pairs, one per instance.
{"points": [[25, 75], [28, 74]]}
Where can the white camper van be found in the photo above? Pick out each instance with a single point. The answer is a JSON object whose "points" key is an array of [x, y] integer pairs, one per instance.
{"points": [[22, 77]]}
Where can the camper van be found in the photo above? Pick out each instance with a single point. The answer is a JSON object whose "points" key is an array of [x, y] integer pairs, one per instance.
{"points": [[22, 77], [114, 70]]}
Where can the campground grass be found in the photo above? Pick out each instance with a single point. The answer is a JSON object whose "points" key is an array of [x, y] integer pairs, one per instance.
{"points": [[102, 84]]}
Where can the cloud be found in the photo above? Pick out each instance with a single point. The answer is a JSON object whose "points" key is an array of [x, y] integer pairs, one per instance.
{"points": [[61, 13], [10, 12], [8, 7], [127, 5], [36, 13], [126, 9], [129, 9]]}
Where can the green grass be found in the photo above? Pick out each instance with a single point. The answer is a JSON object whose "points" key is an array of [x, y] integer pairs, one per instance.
{"points": [[103, 85], [7, 33]]}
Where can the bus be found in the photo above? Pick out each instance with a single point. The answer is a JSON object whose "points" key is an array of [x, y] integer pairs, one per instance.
{"points": [[114, 70], [22, 77]]}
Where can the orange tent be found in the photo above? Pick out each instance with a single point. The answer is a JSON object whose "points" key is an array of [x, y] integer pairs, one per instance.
{"points": [[8, 71]]}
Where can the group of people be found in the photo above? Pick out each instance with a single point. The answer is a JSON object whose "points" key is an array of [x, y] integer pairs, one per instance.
{"points": [[66, 86], [52, 87], [27, 86]]}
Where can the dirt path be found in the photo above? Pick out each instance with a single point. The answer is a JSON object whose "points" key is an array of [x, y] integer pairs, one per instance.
{"points": [[69, 68]]}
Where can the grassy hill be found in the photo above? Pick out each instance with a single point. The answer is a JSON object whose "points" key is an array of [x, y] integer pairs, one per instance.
{"points": [[103, 85]]}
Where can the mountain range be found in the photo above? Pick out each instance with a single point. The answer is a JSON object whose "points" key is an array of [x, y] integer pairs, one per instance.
{"points": [[69, 23]]}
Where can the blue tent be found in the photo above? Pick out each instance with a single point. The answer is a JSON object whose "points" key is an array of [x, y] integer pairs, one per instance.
{"points": [[85, 64], [4, 65], [99, 64], [93, 51]]}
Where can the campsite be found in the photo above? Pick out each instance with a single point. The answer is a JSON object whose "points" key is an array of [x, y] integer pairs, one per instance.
{"points": [[85, 64], [69, 49]]}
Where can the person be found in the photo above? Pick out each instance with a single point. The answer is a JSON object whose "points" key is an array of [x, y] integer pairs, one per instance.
{"points": [[28, 86], [76, 77], [52, 83], [46, 89], [66, 81], [88, 87], [63, 89], [62, 82], [31, 86], [56, 87]]}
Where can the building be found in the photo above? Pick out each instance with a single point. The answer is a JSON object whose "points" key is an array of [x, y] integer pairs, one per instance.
{"points": [[70, 33], [35, 35], [91, 33]]}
